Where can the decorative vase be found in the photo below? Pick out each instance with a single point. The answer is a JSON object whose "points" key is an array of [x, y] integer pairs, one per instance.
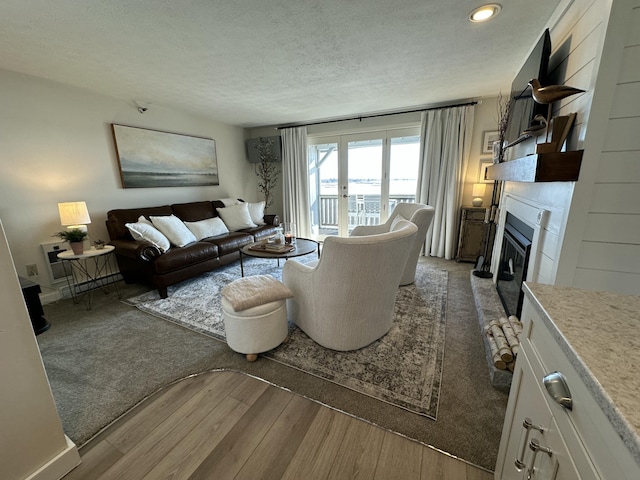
{"points": [[77, 247]]}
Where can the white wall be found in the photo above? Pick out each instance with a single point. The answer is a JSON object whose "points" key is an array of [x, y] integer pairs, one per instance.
{"points": [[57, 146], [31, 435], [603, 247]]}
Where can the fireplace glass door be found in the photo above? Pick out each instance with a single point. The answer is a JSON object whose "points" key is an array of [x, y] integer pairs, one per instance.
{"points": [[514, 259]]}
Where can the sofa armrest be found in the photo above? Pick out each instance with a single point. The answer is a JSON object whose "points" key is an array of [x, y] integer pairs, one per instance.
{"points": [[272, 220], [144, 251]]}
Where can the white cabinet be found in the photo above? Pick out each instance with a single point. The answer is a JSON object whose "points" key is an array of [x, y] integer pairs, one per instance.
{"points": [[532, 426], [578, 441]]}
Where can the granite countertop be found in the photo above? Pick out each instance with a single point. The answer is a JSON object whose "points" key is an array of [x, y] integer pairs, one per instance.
{"points": [[600, 334]]}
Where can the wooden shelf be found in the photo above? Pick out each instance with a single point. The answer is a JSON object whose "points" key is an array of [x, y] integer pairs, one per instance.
{"points": [[541, 167]]}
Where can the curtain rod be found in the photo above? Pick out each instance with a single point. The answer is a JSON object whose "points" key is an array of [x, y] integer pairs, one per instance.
{"points": [[474, 102]]}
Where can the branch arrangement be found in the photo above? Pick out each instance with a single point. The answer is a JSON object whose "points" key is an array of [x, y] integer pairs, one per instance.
{"points": [[267, 170]]}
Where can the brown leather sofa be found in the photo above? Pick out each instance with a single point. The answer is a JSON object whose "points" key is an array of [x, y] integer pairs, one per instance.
{"points": [[143, 262]]}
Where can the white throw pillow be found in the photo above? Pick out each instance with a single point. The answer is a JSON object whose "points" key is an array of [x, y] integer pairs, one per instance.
{"points": [[147, 233], [236, 217], [228, 202], [256, 210], [143, 219], [207, 228], [173, 228]]}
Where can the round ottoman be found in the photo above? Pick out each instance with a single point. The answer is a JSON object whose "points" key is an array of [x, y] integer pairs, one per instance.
{"points": [[254, 311]]}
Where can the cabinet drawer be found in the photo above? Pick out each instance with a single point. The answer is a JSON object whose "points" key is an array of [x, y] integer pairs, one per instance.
{"points": [[594, 434]]}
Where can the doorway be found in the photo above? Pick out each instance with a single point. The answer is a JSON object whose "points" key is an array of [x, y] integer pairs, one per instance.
{"points": [[357, 179]]}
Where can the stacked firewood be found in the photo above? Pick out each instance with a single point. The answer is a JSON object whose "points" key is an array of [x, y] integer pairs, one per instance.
{"points": [[504, 340]]}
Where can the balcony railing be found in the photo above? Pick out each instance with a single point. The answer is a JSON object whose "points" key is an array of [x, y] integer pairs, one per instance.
{"points": [[362, 209]]}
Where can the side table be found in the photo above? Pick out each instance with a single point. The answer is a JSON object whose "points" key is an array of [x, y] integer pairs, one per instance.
{"points": [[88, 271], [471, 233]]}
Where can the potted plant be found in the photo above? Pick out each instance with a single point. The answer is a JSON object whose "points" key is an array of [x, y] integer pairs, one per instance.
{"points": [[75, 237], [267, 170]]}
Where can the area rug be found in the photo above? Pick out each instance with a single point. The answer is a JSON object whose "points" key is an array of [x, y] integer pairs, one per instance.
{"points": [[403, 368]]}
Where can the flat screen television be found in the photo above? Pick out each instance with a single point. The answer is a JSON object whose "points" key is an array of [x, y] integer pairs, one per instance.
{"points": [[523, 108]]}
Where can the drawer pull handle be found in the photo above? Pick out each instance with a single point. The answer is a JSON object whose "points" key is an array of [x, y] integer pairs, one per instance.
{"points": [[528, 425], [558, 389], [536, 447]]}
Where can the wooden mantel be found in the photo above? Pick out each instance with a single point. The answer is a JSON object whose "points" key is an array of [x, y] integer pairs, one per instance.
{"points": [[540, 167]]}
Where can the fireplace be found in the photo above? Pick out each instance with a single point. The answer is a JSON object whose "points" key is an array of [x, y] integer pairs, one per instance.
{"points": [[514, 260]]}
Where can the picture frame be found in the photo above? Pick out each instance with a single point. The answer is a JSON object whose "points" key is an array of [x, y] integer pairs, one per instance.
{"points": [[484, 164], [153, 158], [487, 141]]}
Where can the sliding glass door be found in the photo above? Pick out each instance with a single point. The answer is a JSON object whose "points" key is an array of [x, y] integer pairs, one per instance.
{"points": [[358, 179]]}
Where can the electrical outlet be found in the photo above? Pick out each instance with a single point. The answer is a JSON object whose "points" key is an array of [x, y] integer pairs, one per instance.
{"points": [[32, 270]]}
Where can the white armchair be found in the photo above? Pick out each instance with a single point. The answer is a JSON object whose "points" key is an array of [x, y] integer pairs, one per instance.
{"points": [[417, 213], [346, 299]]}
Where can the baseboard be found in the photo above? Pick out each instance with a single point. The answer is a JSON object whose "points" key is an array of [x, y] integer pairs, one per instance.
{"points": [[50, 297], [60, 465], [64, 291]]}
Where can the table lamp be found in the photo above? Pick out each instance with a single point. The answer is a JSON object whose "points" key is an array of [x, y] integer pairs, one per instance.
{"points": [[477, 193], [74, 215]]}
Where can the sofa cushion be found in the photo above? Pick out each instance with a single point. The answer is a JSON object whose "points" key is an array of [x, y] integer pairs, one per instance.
{"points": [[236, 217], [230, 242], [180, 258], [193, 211], [207, 228], [174, 229], [143, 232]]}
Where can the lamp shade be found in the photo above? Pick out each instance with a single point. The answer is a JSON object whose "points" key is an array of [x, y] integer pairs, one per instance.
{"points": [[73, 213], [478, 190]]}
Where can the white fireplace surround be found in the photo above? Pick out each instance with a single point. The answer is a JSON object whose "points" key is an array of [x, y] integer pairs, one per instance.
{"points": [[533, 216]]}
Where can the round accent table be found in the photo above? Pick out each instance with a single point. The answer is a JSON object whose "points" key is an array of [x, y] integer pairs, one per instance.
{"points": [[90, 270], [303, 247]]}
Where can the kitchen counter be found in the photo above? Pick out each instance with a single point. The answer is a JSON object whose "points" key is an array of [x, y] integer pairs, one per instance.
{"points": [[599, 332]]}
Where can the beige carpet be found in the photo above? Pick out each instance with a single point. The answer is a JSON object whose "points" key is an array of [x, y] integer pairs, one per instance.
{"points": [[403, 368]]}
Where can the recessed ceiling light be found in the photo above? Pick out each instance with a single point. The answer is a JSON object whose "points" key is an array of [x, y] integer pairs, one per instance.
{"points": [[485, 12]]}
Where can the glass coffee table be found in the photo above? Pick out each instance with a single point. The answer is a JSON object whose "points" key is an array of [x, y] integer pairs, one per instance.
{"points": [[302, 247]]}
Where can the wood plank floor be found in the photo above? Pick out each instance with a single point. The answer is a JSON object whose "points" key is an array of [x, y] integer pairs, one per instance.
{"points": [[227, 425]]}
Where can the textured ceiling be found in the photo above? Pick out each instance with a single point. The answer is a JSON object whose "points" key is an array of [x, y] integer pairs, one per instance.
{"points": [[264, 62]]}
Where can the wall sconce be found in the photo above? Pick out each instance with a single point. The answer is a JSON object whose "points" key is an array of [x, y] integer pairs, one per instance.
{"points": [[477, 192], [74, 215]]}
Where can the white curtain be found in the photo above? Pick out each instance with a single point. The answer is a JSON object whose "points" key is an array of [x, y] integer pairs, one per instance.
{"points": [[444, 149], [295, 178]]}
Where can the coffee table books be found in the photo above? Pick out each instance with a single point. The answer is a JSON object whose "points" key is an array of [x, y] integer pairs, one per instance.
{"points": [[273, 247]]}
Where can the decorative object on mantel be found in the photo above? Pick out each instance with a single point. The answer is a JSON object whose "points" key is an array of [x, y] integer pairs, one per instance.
{"points": [[546, 96], [538, 126], [504, 107]]}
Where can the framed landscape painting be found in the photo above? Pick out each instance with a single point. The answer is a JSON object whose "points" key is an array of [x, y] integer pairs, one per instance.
{"points": [[151, 158]]}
